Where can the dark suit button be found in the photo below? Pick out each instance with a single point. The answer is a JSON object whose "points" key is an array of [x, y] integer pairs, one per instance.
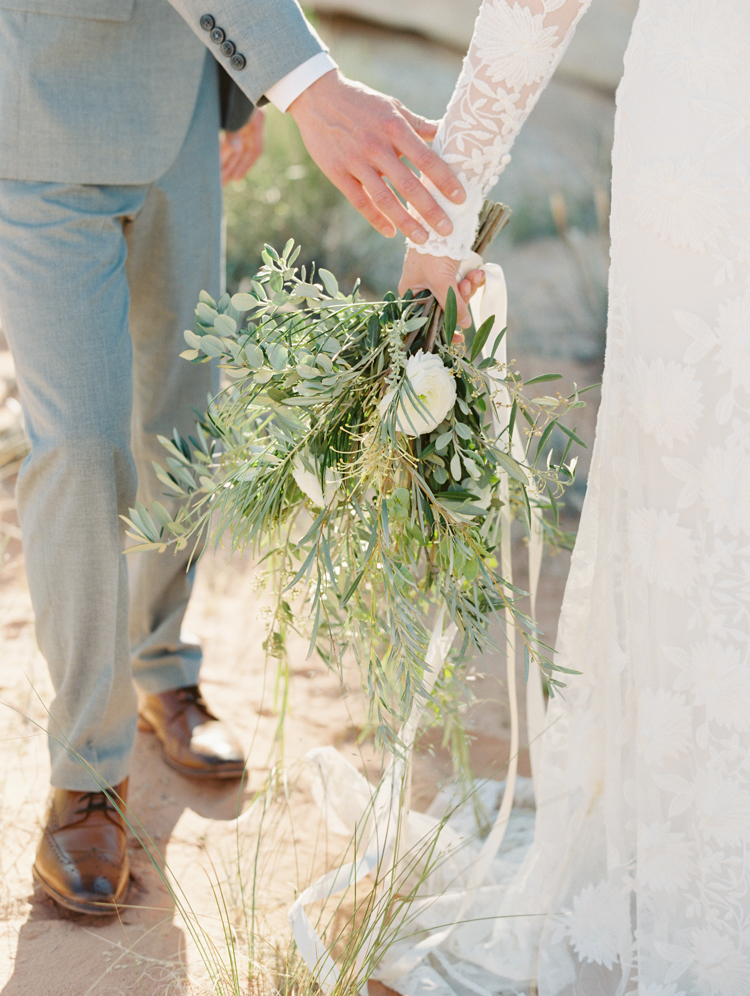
{"points": [[238, 61], [207, 22], [217, 36], [228, 49]]}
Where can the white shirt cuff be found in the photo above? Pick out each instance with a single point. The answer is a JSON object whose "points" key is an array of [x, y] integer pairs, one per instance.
{"points": [[289, 87]]}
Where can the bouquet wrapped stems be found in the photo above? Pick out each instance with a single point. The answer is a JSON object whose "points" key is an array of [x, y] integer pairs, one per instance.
{"points": [[492, 218]]}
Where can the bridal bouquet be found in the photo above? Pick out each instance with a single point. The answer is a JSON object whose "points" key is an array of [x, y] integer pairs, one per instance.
{"points": [[355, 448]]}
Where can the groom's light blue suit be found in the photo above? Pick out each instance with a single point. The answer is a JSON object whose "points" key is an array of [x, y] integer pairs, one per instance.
{"points": [[110, 219]]}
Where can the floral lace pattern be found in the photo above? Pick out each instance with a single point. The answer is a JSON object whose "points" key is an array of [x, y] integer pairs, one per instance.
{"points": [[637, 880], [514, 51]]}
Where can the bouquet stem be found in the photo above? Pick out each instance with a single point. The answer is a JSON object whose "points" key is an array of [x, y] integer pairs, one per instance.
{"points": [[492, 218]]}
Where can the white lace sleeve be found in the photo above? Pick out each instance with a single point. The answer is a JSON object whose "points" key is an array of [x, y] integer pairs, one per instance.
{"points": [[514, 51]]}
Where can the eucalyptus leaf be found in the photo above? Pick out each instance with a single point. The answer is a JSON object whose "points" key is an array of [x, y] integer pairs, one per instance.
{"points": [[277, 355], [307, 371], [308, 291], [513, 468], [193, 340], [211, 345], [480, 337], [543, 378], [329, 281], [243, 302], [451, 314], [253, 355], [206, 313], [225, 325]]}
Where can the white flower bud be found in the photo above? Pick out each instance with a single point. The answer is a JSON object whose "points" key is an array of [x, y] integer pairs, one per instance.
{"points": [[435, 387], [306, 473]]}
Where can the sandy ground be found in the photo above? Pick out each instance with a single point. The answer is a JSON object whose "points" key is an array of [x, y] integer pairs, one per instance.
{"points": [[188, 833]]}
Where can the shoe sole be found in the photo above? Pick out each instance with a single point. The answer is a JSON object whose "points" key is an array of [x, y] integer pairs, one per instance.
{"points": [[92, 909], [207, 774]]}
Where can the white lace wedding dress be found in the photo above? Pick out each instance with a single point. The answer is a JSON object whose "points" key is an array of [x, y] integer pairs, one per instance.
{"points": [[638, 879]]}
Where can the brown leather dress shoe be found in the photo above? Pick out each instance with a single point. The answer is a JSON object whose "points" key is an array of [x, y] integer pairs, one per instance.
{"points": [[194, 742], [82, 860]]}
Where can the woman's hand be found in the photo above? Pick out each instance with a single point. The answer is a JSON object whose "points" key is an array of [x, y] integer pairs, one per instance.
{"points": [[436, 274], [239, 150]]}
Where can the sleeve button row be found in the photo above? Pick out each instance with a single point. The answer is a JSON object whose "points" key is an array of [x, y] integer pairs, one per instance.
{"points": [[218, 37]]}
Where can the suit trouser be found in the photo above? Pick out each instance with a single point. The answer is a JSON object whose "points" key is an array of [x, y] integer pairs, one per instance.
{"points": [[97, 284]]}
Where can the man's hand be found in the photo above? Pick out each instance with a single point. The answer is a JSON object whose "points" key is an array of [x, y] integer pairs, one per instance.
{"points": [[357, 137], [436, 274], [239, 150]]}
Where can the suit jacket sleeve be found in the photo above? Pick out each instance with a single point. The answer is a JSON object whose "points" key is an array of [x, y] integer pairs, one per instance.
{"points": [[257, 42], [234, 107]]}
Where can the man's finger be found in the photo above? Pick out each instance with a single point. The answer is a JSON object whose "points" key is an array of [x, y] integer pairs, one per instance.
{"points": [[388, 204], [431, 165], [410, 187], [424, 127], [360, 199]]}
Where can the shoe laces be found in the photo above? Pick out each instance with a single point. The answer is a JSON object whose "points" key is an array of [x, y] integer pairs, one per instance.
{"points": [[95, 802], [188, 696]]}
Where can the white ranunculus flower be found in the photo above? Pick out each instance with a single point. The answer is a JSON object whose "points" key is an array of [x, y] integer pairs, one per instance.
{"points": [[309, 480], [435, 387]]}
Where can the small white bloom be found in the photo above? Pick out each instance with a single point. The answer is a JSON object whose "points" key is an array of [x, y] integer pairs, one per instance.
{"points": [[514, 45], [598, 923], [720, 967], [697, 43], [665, 551], [664, 725], [657, 989], [665, 400], [680, 203], [435, 387], [307, 475], [718, 680], [665, 861], [725, 488], [733, 335], [723, 808]]}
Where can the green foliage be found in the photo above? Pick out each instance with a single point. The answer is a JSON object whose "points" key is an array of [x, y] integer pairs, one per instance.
{"points": [[311, 458]]}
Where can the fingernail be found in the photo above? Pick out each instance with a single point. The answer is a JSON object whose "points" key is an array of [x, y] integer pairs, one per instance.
{"points": [[444, 227], [465, 323], [419, 236], [457, 193]]}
